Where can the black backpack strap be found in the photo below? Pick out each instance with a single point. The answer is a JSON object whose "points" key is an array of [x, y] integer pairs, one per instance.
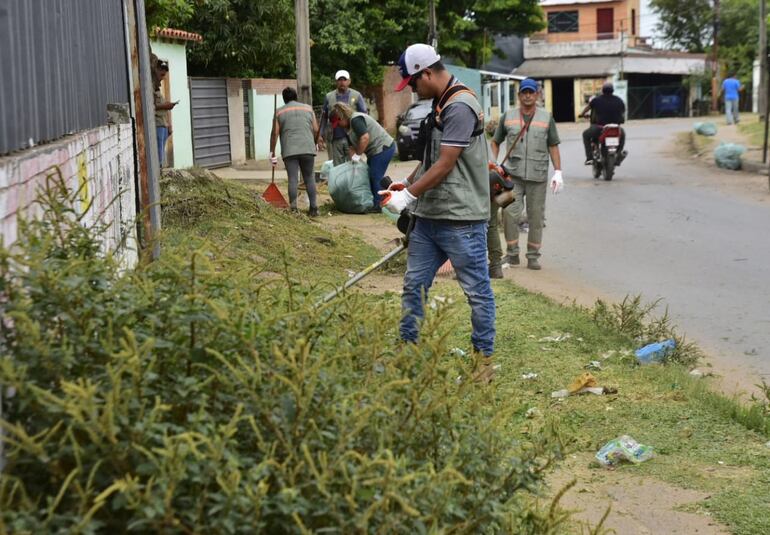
{"points": [[448, 95]]}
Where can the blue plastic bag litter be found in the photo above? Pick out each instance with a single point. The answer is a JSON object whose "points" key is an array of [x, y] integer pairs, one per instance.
{"points": [[654, 353], [728, 155], [349, 187], [705, 129]]}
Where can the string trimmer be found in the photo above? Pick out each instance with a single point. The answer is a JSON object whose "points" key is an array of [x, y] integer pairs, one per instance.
{"points": [[501, 189]]}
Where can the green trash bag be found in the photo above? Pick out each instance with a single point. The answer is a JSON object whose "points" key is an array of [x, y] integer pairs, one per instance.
{"points": [[705, 129], [728, 155], [349, 187]]}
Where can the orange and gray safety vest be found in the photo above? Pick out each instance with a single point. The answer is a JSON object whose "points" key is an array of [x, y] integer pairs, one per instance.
{"points": [[296, 129], [529, 159], [464, 194]]}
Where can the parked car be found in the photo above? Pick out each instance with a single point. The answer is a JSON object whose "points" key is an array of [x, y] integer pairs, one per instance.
{"points": [[408, 127]]}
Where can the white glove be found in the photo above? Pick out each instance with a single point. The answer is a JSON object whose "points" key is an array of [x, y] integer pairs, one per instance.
{"points": [[355, 158], [557, 182], [396, 201], [398, 185], [273, 159]]}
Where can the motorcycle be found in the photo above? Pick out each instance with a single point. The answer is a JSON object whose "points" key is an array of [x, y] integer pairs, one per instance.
{"points": [[605, 153]]}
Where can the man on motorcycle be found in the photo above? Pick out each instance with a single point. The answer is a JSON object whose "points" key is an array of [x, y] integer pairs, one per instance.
{"points": [[605, 109]]}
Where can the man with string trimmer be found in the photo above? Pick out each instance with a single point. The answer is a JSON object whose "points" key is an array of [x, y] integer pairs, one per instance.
{"points": [[450, 196]]}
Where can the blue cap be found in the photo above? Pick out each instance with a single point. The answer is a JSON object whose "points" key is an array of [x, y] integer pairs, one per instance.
{"points": [[528, 83]]}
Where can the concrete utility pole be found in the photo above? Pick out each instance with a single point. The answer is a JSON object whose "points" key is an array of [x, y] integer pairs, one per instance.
{"points": [[762, 100], [304, 77], [622, 48], [715, 61], [432, 32]]}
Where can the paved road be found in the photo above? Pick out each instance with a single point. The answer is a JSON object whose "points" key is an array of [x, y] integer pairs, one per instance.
{"points": [[669, 228]]}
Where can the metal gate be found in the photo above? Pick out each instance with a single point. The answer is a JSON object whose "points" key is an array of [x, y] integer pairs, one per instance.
{"points": [[210, 122], [247, 118], [657, 101]]}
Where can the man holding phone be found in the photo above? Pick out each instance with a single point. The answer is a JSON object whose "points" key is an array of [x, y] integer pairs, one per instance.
{"points": [[162, 107]]}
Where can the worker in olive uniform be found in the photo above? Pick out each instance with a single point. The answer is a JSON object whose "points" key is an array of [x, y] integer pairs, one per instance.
{"points": [[297, 127], [366, 136], [450, 194], [337, 141], [534, 131]]}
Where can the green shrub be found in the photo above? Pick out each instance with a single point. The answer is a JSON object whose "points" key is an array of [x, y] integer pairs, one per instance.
{"points": [[635, 319], [188, 397]]}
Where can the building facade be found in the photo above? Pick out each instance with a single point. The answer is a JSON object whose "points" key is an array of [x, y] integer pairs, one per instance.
{"points": [[589, 42]]}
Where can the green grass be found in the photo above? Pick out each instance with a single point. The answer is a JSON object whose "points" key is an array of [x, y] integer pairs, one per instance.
{"points": [[753, 129], [703, 441]]}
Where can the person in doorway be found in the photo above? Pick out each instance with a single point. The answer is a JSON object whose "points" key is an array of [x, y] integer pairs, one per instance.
{"points": [[162, 107], [365, 136], [604, 109], [533, 131], [450, 191], [731, 90], [296, 125], [338, 146]]}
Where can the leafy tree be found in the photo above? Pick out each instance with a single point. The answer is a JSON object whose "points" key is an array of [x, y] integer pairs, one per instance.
{"points": [[688, 24], [256, 38], [160, 12], [685, 24], [466, 26]]}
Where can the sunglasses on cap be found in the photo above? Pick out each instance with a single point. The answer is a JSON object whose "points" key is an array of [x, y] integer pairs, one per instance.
{"points": [[342, 78]]}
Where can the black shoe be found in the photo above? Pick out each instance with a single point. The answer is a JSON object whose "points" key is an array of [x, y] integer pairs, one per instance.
{"points": [[621, 157], [495, 272], [374, 210], [313, 212], [532, 263], [511, 260]]}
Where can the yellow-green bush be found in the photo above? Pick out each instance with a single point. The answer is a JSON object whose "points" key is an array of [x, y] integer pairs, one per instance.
{"points": [[184, 397]]}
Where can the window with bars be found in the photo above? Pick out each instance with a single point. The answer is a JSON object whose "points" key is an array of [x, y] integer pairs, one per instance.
{"points": [[563, 21]]}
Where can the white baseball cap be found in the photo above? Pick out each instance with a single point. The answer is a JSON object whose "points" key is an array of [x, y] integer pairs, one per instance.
{"points": [[342, 74], [416, 58]]}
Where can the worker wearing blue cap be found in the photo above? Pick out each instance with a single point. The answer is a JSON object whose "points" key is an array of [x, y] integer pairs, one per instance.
{"points": [[532, 133]]}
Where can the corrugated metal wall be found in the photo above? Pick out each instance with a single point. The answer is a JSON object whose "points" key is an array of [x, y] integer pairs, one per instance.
{"points": [[210, 121], [61, 63]]}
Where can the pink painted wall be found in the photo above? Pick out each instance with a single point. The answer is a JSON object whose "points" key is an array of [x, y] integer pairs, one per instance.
{"points": [[103, 158]]}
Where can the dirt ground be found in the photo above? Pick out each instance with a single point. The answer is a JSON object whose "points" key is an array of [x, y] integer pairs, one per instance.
{"points": [[638, 505]]}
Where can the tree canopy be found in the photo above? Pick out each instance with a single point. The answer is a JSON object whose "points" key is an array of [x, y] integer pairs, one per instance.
{"points": [[256, 38], [688, 25]]}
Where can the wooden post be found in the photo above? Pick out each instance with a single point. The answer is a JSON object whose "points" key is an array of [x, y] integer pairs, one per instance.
{"points": [[304, 77]]}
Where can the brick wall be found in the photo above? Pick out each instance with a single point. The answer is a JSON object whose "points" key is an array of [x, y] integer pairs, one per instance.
{"points": [[102, 159]]}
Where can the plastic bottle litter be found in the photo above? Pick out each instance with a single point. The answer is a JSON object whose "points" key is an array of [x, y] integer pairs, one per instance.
{"points": [[529, 376], [654, 353], [624, 448]]}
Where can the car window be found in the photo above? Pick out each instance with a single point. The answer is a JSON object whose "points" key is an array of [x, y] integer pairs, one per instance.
{"points": [[418, 110]]}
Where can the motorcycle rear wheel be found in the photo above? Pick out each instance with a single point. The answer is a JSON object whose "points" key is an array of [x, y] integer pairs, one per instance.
{"points": [[609, 166]]}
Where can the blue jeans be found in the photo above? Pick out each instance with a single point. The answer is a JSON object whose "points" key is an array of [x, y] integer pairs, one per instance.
{"points": [[378, 165], [430, 244], [162, 133]]}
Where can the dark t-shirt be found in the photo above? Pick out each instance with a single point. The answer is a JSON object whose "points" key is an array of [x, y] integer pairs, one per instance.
{"points": [[358, 125], [607, 109]]}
